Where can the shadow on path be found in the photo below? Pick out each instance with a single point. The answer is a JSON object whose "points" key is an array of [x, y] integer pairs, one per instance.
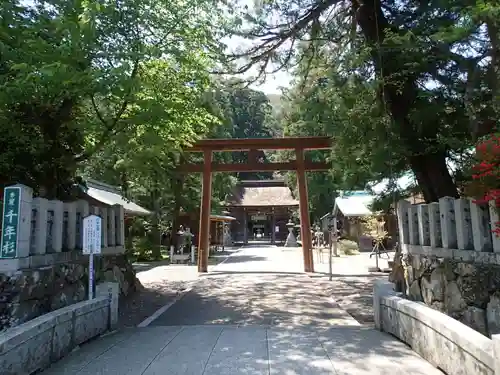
{"points": [[269, 300], [244, 258]]}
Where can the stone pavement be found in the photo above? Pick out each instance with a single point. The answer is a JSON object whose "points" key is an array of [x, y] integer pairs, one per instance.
{"points": [[256, 313]]}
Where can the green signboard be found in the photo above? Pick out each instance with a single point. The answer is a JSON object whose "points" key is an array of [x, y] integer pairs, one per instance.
{"points": [[10, 222]]}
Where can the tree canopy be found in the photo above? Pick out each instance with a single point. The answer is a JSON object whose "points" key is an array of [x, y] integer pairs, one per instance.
{"points": [[115, 90], [79, 76], [389, 79]]}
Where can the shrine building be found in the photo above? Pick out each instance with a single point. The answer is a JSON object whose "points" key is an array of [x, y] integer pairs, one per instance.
{"points": [[262, 208]]}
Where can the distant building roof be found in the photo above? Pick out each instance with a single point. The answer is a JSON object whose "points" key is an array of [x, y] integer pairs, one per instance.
{"points": [[354, 203], [262, 183], [262, 193], [214, 217], [111, 195], [356, 193]]}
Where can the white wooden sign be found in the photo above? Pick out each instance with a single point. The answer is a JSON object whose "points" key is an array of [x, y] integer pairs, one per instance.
{"points": [[91, 245], [92, 235]]}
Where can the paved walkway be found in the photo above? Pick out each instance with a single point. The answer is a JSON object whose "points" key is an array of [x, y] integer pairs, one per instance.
{"points": [[254, 314]]}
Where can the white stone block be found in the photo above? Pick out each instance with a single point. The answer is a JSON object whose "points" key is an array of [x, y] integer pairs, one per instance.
{"points": [[494, 219], [435, 225], [481, 230], [381, 288], [57, 207], [70, 209], [83, 210], [104, 223], [112, 292], [120, 225], [413, 224], [423, 224], [111, 227], [40, 205], [463, 224], [496, 353], [448, 226], [403, 225]]}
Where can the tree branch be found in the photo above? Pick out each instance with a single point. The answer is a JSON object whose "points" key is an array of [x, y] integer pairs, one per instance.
{"points": [[274, 38], [111, 127]]}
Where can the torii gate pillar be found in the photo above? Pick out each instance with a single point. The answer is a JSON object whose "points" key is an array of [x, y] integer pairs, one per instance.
{"points": [[206, 197], [305, 223]]}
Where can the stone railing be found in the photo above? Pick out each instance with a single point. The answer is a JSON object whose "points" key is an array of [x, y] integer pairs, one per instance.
{"points": [[44, 229], [452, 260], [455, 224], [34, 345], [42, 267], [443, 341]]}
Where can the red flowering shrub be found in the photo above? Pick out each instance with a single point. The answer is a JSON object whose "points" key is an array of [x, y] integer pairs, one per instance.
{"points": [[487, 173]]}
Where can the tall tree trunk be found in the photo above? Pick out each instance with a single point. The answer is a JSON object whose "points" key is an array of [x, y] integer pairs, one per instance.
{"points": [[178, 190], [433, 176], [155, 226], [426, 158]]}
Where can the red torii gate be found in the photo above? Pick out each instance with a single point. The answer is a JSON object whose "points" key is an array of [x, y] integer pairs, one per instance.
{"points": [[300, 165]]}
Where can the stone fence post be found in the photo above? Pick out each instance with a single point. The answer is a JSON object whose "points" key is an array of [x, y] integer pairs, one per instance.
{"points": [[453, 224], [496, 353], [381, 288], [36, 230], [112, 291]]}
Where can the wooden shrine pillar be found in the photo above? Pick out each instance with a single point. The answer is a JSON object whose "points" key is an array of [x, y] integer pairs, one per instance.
{"points": [[245, 226], [204, 231], [273, 227], [305, 223]]}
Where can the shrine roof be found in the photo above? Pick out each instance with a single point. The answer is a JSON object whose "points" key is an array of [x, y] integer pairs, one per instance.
{"points": [[262, 193], [111, 195], [355, 203]]}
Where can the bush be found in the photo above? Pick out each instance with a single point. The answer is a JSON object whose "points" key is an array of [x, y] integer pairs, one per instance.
{"points": [[348, 247], [486, 184]]}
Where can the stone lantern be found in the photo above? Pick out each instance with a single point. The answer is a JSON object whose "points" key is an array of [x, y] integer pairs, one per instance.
{"points": [[318, 236], [290, 239], [227, 239]]}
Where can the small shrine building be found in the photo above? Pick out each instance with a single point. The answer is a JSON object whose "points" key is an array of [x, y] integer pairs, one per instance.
{"points": [[262, 208]]}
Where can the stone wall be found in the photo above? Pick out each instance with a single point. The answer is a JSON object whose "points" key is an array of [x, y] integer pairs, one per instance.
{"points": [[462, 284], [32, 346], [451, 260], [443, 341], [59, 280]]}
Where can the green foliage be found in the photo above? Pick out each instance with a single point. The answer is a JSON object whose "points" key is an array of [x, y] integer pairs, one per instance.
{"points": [[348, 247], [78, 75], [244, 113], [388, 80]]}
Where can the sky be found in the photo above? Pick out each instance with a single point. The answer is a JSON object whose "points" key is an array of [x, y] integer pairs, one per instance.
{"points": [[273, 83]]}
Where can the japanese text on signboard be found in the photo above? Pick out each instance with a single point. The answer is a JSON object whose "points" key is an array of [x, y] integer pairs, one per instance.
{"points": [[10, 222], [91, 235]]}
